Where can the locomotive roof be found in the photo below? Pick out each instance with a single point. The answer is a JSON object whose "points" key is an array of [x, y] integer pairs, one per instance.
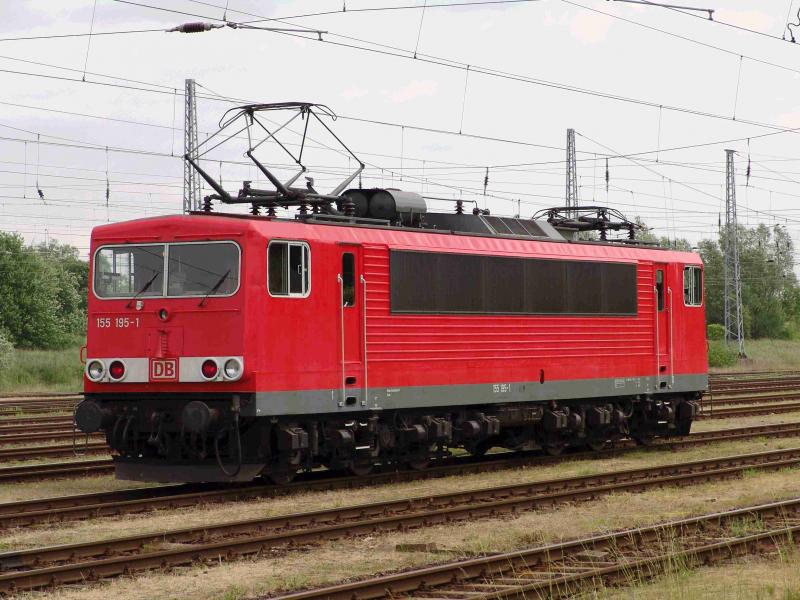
{"points": [[200, 225]]}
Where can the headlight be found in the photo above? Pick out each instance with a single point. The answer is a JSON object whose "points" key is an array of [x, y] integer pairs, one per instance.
{"points": [[95, 370], [233, 368]]}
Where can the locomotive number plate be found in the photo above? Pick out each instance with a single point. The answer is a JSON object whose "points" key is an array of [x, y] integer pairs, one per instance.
{"points": [[163, 369]]}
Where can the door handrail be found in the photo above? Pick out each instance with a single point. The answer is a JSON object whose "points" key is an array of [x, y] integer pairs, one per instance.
{"points": [[658, 341], [340, 279], [365, 401], [669, 340]]}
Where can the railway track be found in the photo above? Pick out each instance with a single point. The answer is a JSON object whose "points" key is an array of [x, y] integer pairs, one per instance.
{"points": [[61, 470], [565, 569], [71, 563], [45, 436], [756, 389], [28, 404], [738, 400], [749, 411], [34, 452], [104, 504], [753, 374], [35, 424]]}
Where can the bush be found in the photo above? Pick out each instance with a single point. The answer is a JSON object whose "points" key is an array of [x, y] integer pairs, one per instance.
{"points": [[715, 331], [720, 355], [43, 370], [6, 350]]}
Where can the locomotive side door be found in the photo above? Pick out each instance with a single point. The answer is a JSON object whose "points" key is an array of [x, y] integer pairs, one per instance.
{"points": [[663, 317], [352, 310]]}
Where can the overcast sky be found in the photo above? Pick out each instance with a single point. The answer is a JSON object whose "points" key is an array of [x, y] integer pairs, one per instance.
{"points": [[534, 44]]}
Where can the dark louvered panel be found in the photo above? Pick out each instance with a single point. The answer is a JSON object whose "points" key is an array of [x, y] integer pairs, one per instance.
{"points": [[451, 283]]}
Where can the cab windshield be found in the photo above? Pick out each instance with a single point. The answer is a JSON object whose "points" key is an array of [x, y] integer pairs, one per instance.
{"points": [[171, 270]]}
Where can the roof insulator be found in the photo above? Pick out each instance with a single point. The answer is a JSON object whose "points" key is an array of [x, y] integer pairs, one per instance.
{"points": [[196, 27]]}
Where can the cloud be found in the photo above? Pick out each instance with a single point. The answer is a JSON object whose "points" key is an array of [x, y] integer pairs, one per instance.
{"points": [[414, 89], [752, 19], [590, 28], [354, 92]]}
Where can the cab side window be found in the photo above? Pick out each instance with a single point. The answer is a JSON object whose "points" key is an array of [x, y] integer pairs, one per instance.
{"points": [[348, 279], [692, 286], [288, 269], [660, 289]]}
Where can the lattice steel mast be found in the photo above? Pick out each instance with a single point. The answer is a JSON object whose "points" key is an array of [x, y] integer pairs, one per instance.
{"points": [[191, 179], [734, 317], [571, 196]]}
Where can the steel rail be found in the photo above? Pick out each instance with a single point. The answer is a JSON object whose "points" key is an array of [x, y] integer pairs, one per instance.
{"points": [[51, 419], [18, 404], [42, 567], [35, 410], [564, 569], [39, 398]]}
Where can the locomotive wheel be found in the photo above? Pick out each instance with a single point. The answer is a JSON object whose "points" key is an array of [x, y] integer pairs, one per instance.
{"points": [[481, 448], [361, 468], [597, 445], [419, 463], [283, 476], [643, 439], [555, 449]]}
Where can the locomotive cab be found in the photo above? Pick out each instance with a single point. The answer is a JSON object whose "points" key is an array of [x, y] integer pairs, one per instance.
{"points": [[166, 371]]}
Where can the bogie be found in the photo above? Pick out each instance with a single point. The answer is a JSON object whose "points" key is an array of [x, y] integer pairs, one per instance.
{"points": [[403, 438]]}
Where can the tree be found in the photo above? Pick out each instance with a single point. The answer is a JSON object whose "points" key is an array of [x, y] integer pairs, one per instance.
{"points": [[42, 293], [770, 295], [770, 291]]}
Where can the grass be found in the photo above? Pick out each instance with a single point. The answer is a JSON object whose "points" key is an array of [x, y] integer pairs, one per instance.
{"points": [[751, 578], [43, 371], [767, 355]]}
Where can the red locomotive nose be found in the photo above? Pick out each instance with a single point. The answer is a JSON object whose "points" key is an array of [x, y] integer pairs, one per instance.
{"points": [[116, 370], [209, 369]]}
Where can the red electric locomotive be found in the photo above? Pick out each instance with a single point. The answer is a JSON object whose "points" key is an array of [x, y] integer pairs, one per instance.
{"points": [[368, 330]]}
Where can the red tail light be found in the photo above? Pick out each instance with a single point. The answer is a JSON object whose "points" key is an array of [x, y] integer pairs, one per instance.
{"points": [[209, 369], [116, 370]]}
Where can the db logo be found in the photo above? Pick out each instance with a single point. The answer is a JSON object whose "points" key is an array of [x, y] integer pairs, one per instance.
{"points": [[163, 369]]}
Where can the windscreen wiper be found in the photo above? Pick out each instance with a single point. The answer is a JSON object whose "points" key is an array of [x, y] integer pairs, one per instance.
{"points": [[145, 287], [216, 286]]}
